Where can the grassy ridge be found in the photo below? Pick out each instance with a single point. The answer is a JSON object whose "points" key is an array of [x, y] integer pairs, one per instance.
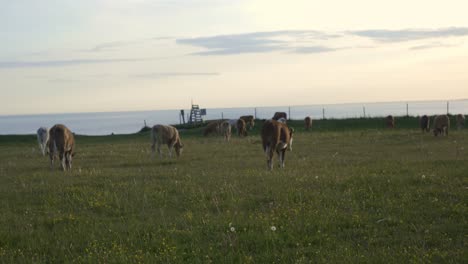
{"points": [[361, 194]]}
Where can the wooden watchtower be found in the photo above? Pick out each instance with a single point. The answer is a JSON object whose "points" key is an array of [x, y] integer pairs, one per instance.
{"points": [[196, 114]]}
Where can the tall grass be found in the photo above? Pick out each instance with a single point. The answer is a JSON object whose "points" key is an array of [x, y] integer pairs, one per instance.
{"points": [[346, 195]]}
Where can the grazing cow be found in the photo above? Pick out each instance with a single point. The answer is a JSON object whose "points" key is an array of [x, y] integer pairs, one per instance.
{"points": [[460, 121], [279, 115], [282, 120], [424, 123], [276, 136], [212, 128], [225, 129], [61, 140], [390, 121], [249, 121], [441, 125], [241, 128], [161, 134], [308, 122], [42, 138]]}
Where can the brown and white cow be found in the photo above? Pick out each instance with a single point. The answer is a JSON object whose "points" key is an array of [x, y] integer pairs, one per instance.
{"points": [[225, 129], [424, 123], [441, 125], [308, 122], [460, 119], [390, 121], [161, 134], [241, 128], [279, 115], [61, 142], [276, 136], [42, 139], [249, 121]]}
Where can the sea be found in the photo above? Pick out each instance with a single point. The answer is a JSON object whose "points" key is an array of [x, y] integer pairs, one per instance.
{"points": [[106, 123]]}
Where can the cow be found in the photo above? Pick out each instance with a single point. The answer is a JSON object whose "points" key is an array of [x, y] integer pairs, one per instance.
{"points": [[460, 119], [241, 128], [249, 121], [441, 125], [279, 115], [61, 142], [282, 120], [212, 128], [225, 129], [42, 139], [390, 121], [276, 136], [308, 122], [424, 123], [161, 134]]}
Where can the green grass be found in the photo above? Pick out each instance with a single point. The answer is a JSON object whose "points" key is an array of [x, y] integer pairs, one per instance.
{"points": [[361, 194]]}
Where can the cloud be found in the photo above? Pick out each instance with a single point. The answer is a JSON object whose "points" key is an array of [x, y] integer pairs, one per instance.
{"points": [[385, 35], [256, 42], [309, 41], [433, 45], [119, 44], [71, 62], [159, 75]]}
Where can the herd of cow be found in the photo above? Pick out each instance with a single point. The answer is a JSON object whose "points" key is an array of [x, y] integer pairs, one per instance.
{"points": [[275, 133]]}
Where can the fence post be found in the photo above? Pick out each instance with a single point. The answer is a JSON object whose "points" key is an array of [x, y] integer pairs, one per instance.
{"points": [[447, 107], [407, 114], [364, 111], [323, 113], [255, 114], [289, 112], [222, 115]]}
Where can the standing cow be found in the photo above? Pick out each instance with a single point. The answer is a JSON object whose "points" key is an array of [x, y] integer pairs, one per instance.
{"points": [[161, 134], [441, 125], [276, 137], [212, 128], [249, 121], [279, 115], [42, 139], [225, 129], [308, 122], [390, 121], [61, 142], [241, 128], [424, 123], [460, 119]]}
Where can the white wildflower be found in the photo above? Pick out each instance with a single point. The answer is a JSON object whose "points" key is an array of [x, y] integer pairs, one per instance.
{"points": [[273, 228]]}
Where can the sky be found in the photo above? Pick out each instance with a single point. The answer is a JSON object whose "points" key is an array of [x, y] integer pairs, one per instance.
{"points": [[62, 56]]}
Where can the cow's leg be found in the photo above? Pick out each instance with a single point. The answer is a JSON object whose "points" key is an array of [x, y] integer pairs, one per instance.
{"points": [[63, 160], [171, 147], [283, 155], [69, 160], [270, 158], [159, 150], [51, 156]]}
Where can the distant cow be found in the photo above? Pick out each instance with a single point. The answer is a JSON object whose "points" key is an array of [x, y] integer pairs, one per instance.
{"points": [[241, 128], [42, 138], [61, 142], [390, 121], [279, 115], [460, 121], [161, 134], [249, 121], [424, 123], [282, 120], [277, 137], [308, 122], [225, 129], [441, 125], [212, 128]]}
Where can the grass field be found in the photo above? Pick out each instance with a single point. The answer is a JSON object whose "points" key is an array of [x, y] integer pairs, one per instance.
{"points": [[351, 192]]}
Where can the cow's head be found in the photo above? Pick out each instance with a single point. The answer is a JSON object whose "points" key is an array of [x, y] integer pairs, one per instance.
{"points": [[179, 147]]}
